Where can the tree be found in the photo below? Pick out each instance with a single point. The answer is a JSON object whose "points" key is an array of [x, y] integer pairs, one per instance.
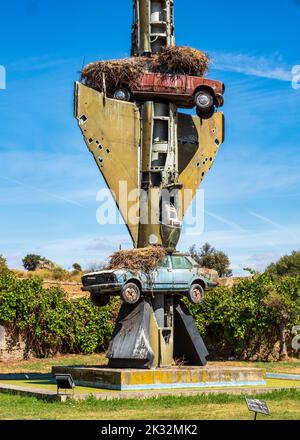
{"points": [[31, 262], [286, 265], [34, 262], [77, 267], [3, 266], [209, 257]]}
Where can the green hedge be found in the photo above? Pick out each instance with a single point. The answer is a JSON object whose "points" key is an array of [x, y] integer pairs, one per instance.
{"points": [[49, 322], [246, 321]]}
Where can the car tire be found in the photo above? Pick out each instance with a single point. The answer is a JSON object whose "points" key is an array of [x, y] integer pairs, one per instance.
{"points": [[122, 94], [196, 294], [204, 100], [99, 300], [205, 114], [131, 293]]}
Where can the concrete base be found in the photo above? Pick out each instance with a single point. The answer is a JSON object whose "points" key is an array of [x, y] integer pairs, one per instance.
{"points": [[165, 378]]}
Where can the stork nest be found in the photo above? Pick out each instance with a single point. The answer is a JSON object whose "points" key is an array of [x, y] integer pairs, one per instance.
{"points": [[143, 260], [183, 60], [115, 72], [178, 60]]}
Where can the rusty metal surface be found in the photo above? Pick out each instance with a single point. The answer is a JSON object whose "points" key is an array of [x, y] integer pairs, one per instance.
{"points": [[111, 130], [179, 89], [149, 23], [198, 144]]}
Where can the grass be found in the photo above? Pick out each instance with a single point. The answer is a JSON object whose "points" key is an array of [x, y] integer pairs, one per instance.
{"points": [[292, 366], [284, 405], [44, 365], [54, 275]]}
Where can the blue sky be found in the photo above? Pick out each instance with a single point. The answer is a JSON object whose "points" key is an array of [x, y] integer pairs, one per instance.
{"points": [[48, 181]]}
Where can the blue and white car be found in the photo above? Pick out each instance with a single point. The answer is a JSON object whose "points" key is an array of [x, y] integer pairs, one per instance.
{"points": [[177, 274]]}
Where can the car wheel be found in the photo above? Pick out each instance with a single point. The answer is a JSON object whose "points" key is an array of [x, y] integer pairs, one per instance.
{"points": [[196, 294], [99, 300], [131, 293], [122, 94], [205, 114], [204, 100]]}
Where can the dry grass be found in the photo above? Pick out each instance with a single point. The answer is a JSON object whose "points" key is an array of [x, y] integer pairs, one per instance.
{"points": [[50, 275], [115, 72], [183, 60], [173, 60], [145, 260]]}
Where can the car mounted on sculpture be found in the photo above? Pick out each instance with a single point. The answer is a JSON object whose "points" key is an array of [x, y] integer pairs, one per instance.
{"points": [[177, 275], [183, 90]]}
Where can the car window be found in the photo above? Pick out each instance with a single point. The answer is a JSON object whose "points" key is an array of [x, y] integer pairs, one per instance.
{"points": [[188, 263], [164, 263], [178, 262]]}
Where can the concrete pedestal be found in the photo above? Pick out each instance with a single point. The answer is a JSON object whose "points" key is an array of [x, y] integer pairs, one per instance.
{"points": [[163, 378]]}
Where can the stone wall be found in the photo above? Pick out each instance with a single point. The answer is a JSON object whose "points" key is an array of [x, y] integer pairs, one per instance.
{"points": [[12, 348]]}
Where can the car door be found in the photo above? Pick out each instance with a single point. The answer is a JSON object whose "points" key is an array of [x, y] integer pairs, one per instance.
{"points": [[162, 278], [182, 272], [147, 83], [169, 84]]}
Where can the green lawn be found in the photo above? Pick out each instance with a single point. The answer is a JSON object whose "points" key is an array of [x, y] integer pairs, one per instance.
{"points": [[292, 366], [284, 405], [44, 365]]}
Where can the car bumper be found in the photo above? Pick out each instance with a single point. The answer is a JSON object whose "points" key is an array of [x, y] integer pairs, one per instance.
{"points": [[103, 288], [220, 100]]}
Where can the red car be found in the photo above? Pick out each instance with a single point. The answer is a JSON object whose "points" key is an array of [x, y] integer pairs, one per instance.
{"points": [[183, 90]]}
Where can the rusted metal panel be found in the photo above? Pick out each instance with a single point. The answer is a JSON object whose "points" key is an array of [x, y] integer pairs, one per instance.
{"points": [[198, 144], [111, 130], [188, 344], [149, 231], [129, 346], [147, 118], [144, 26]]}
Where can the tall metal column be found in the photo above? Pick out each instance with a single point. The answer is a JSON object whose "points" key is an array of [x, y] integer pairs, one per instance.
{"points": [[153, 29]]}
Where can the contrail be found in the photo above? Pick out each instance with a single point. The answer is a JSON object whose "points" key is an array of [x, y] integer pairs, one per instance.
{"points": [[55, 196]]}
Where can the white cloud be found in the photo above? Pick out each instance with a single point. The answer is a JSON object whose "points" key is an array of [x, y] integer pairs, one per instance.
{"points": [[261, 66]]}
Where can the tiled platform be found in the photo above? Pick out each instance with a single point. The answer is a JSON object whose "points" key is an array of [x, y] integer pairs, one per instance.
{"points": [[160, 379]]}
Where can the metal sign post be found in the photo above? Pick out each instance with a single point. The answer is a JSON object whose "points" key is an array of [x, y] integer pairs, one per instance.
{"points": [[257, 406]]}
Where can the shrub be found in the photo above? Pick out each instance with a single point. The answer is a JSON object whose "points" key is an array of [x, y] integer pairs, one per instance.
{"points": [[60, 274], [248, 320], [49, 322]]}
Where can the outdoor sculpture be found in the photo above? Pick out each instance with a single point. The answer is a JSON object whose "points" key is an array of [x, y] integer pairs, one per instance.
{"points": [[128, 113]]}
